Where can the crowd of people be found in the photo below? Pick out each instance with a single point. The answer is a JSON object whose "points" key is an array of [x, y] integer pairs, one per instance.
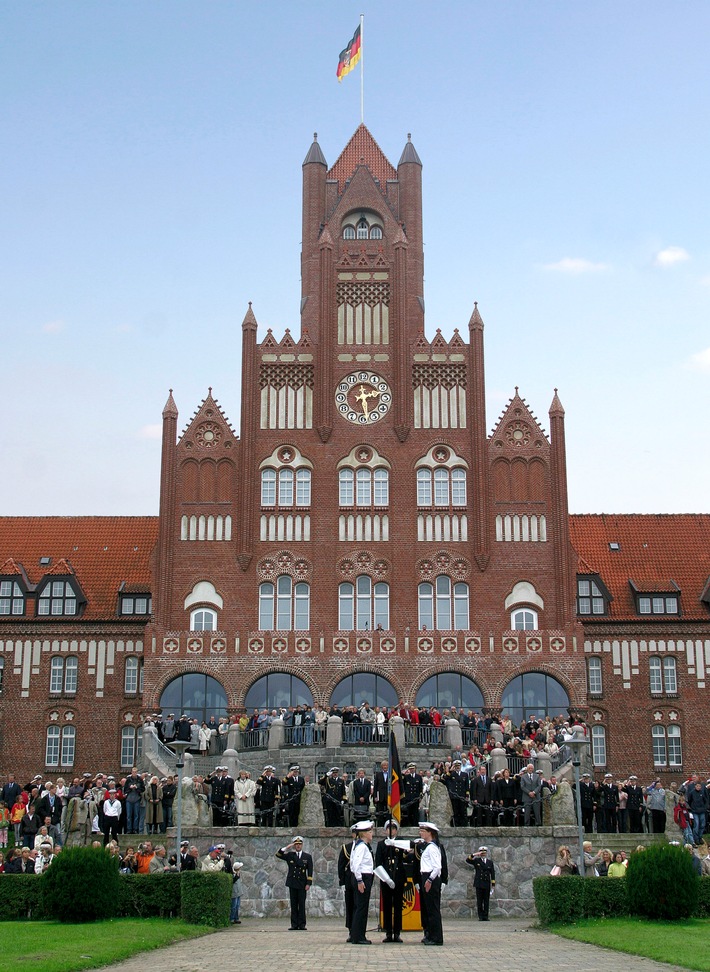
{"points": [[605, 863]]}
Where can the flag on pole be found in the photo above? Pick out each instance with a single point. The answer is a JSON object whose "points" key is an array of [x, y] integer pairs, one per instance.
{"points": [[394, 776], [349, 57]]}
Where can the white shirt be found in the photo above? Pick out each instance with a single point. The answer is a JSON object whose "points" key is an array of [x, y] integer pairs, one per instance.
{"points": [[361, 860], [112, 808], [431, 861]]}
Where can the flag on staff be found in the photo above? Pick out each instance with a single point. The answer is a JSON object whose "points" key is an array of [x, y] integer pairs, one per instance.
{"points": [[349, 57], [394, 776]]}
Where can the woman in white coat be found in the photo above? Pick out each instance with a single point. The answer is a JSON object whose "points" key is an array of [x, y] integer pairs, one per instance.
{"points": [[244, 793]]}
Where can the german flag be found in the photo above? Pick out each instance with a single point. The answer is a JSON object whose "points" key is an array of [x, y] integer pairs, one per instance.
{"points": [[394, 777], [349, 57]]}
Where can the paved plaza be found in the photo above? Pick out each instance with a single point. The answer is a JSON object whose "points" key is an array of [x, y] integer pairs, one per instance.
{"points": [[506, 945]]}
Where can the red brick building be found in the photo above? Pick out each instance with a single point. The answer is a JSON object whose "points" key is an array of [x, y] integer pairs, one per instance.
{"points": [[363, 534]]}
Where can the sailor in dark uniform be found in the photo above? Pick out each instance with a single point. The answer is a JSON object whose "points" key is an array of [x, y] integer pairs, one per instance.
{"points": [[298, 880], [221, 795], [412, 790], [333, 796], [458, 783], [291, 789], [587, 798], [634, 804], [484, 881], [391, 858], [269, 790], [345, 882]]}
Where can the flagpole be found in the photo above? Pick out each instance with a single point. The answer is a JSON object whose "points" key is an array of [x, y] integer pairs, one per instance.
{"points": [[362, 70]]}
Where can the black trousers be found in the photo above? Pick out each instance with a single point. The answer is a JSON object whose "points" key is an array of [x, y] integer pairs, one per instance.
{"points": [[349, 904], [483, 900], [110, 828], [588, 819], [298, 907], [392, 904], [362, 904], [431, 909], [635, 824]]}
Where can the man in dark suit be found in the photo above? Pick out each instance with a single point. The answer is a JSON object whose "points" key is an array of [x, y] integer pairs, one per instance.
{"points": [[484, 881], [361, 792], [10, 791], [610, 801], [587, 800], [379, 793], [269, 792], [531, 792], [481, 798], [298, 880], [634, 804], [292, 786], [391, 858]]}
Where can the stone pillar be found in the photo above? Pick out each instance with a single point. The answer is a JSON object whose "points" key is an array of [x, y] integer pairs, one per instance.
{"points": [[499, 761], [277, 735], [544, 763], [496, 731], [440, 811], [397, 727], [562, 809], [231, 760], [453, 735], [189, 767], [311, 811], [234, 737], [334, 732]]}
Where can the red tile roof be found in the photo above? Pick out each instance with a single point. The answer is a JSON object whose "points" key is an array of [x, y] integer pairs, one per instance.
{"points": [[654, 551], [362, 149], [103, 551]]}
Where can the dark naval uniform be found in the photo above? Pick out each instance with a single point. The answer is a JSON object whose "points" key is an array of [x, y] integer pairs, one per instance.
{"points": [[457, 783], [334, 795], [484, 880], [291, 789], [346, 884], [392, 859], [269, 790], [634, 805], [412, 787], [298, 881], [587, 799], [221, 795]]}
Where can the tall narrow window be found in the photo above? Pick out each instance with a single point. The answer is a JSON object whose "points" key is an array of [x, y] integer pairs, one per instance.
{"points": [[130, 683], [68, 745], [599, 745], [268, 487], [128, 746], [56, 675], [675, 754], [71, 671], [346, 481], [285, 487], [656, 677], [669, 675], [594, 676], [658, 735], [424, 487], [51, 753]]}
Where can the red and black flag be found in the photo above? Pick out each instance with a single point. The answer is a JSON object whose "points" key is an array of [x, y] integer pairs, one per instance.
{"points": [[350, 56], [394, 780]]}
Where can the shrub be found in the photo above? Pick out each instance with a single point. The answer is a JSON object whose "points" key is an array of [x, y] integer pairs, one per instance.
{"points": [[149, 895], [566, 899], [661, 883], [206, 897], [21, 897], [703, 910], [81, 885]]}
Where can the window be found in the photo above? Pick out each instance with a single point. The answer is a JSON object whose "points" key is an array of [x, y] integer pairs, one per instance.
{"points": [[363, 605], [448, 487], [57, 597], [286, 484], [2, 673], [523, 619], [133, 676], [658, 604], [594, 676], [662, 674], [534, 694], [599, 745], [667, 749], [284, 606], [276, 690], [349, 233], [198, 696], [203, 619], [364, 687], [590, 597], [131, 746], [376, 233], [363, 231], [12, 598], [447, 689], [363, 487], [443, 605], [136, 604], [60, 746], [63, 675]]}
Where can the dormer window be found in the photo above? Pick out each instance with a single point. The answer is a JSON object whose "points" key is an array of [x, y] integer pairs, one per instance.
{"points": [[12, 598], [592, 596], [57, 598], [135, 604], [658, 601]]}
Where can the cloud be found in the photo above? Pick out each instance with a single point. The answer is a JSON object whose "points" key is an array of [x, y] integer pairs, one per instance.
{"points": [[151, 431], [53, 327], [671, 255], [575, 265], [700, 361]]}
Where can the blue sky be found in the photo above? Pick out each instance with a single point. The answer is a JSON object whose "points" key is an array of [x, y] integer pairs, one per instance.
{"points": [[150, 187]]}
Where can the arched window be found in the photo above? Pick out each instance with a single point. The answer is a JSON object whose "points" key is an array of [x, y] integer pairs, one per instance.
{"points": [[443, 605], [284, 606], [534, 693], [599, 745], [63, 675], [203, 619], [447, 689], [294, 487], [363, 487], [277, 689], [523, 619], [441, 487], [349, 232], [362, 229], [364, 687], [198, 696], [594, 676], [363, 606], [376, 233]]}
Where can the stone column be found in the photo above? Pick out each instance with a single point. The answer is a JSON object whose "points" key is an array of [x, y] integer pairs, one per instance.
{"points": [[499, 761], [234, 737], [453, 735], [277, 735], [496, 731], [334, 732], [397, 727]]}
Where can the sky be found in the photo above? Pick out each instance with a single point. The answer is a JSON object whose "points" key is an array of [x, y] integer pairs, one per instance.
{"points": [[150, 184]]}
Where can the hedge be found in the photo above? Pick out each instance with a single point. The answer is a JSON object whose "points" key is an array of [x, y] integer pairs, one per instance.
{"points": [[567, 899], [206, 897], [197, 897]]}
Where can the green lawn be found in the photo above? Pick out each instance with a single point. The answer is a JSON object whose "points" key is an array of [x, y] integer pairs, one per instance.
{"points": [[682, 943], [49, 946]]}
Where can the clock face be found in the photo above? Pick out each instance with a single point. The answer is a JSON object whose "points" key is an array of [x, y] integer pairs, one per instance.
{"points": [[363, 398]]}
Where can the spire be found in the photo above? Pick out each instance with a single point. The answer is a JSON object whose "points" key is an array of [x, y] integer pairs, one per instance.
{"points": [[170, 410], [556, 410], [476, 322], [315, 153], [249, 322], [409, 154]]}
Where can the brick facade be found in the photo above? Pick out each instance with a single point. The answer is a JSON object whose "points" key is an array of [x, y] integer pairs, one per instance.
{"points": [[362, 458]]}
